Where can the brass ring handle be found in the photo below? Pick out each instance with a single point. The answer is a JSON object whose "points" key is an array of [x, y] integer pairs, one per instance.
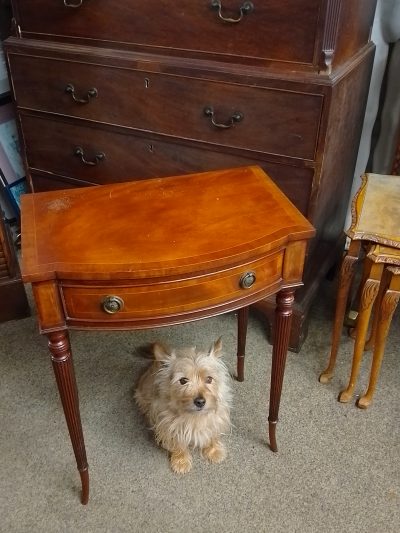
{"points": [[92, 93], [112, 304], [78, 3], [247, 280], [78, 151], [236, 117], [246, 8]]}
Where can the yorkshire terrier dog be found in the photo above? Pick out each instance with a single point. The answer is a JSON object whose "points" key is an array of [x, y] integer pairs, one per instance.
{"points": [[186, 397]]}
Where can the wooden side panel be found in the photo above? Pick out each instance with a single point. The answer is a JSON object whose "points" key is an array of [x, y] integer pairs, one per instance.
{"points": [[49, 306], [349, 96]]}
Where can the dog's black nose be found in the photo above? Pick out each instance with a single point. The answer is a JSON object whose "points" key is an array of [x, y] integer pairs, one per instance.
{"points": [[199, 402]]}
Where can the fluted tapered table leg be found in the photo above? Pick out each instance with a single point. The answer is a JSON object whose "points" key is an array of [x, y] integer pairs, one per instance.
{"points": [[243, 315], [283, 320], [61, 356]]}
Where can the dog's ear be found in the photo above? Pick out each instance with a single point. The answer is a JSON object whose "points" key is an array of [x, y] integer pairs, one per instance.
{"points": [[216, 348], [162, 352]]}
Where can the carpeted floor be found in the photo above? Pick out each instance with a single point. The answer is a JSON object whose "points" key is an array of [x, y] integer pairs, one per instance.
{"points": [[337, 469]]}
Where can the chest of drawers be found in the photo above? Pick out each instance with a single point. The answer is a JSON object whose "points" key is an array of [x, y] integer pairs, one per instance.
{"points": [[13, 300], [111, 92]]}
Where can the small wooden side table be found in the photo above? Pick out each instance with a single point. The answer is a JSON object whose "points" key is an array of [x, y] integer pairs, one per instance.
{"points": [[160, 252], [375, 229], [381, 292]]}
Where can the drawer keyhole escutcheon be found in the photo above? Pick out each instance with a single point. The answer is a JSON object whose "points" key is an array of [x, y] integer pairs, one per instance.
{"points": [[100, 156], [245, 9], [92, 93], [70, 3], [247, 280], [236, 117], [112, 304]]}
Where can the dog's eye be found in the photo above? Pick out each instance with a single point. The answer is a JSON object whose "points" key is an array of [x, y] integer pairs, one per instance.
{"points": [[183, 381], [209, 379]]}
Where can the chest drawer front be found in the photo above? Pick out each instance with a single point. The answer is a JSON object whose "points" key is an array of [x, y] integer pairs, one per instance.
{"points": [[268, 29], [263, 119], [51, 147], [122, 303]]}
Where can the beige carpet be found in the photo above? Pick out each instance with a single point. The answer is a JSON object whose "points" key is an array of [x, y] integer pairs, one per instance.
{"points": [[337, 469]]}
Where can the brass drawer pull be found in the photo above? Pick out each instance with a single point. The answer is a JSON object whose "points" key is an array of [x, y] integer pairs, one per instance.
{"points": [[245, 9], [78, 151], [92, 93], [236, 117], [112, 304], [69, 3], [247, 280]]}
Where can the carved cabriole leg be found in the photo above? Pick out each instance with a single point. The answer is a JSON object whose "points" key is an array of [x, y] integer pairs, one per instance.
{"points": [[242, 317], [370, 343], [345, 279], [61, 356], [356, 305], [369, 293], [283, 319], [386, 311]]}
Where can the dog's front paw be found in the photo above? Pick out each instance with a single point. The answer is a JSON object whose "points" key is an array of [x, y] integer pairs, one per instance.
{"points": [[181, 462], [215, 452]]}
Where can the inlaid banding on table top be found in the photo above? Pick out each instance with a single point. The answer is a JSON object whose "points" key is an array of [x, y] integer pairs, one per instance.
{"points": [[203, 245], [188, 223]]}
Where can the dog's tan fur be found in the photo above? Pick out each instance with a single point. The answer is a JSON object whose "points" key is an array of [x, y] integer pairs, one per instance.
{"points": [[167, 392]]}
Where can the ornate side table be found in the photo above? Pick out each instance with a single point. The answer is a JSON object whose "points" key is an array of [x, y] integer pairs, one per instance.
{"points": [[381, 290], [156, 253], [375, 234]]}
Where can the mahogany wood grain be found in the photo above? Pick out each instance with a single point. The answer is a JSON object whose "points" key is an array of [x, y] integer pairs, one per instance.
{"points": [[50, 146], [54, 217], [300, 68], [177, 104], [306, 34], [283, 318], [243, 315], [61, 357], [164, 251]]}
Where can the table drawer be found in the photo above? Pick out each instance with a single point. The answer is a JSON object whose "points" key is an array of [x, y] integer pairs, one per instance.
{"points": [[51, 144], [141, 301], [269, 29], [262, 119]]}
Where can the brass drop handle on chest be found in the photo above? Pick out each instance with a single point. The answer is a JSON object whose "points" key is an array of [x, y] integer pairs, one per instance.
{"points": [[245, 9], [247, 280], [92, 93], [236, 117], [100, 156], [112, 304], [71, 3]]}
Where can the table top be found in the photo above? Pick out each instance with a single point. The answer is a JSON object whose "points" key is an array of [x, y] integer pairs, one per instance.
{"points": [[157, 227], [384, 254], [375, 210]]}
